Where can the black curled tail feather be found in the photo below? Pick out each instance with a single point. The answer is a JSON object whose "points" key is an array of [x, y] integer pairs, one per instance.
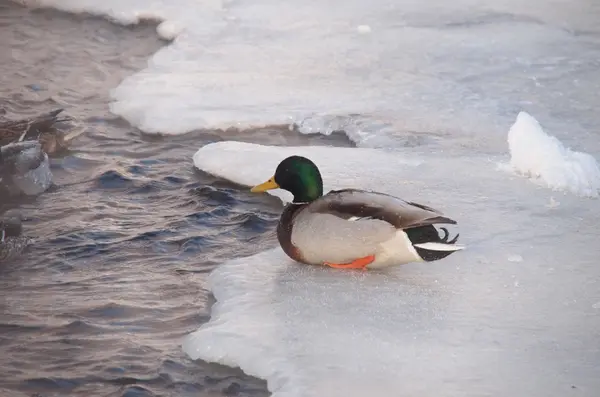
{"points": [[429, 234], [446, 235]]}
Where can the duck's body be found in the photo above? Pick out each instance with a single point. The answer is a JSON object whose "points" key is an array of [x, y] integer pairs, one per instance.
{"points": [[353, 228], [12, 241], [24, 168], [346, 225], [41, 128]]}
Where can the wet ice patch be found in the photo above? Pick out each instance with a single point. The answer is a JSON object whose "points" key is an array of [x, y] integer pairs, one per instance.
{"points": [[545, 160]]}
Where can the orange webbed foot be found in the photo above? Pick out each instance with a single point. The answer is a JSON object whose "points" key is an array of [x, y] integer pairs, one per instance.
{"points": [[360, 263]]}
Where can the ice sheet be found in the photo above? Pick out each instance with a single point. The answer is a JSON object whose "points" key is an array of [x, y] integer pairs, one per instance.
{"points": [[462, 70], [547, 161], [476, 323]]}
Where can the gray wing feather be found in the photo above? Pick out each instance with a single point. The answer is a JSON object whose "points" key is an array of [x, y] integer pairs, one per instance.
{"points": [[402, 214]]}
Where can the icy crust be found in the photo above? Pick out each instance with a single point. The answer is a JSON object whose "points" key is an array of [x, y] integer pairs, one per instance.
{"points": [[246, 64], [477, 323], [400, 66], [128, 12], [545, 160]]}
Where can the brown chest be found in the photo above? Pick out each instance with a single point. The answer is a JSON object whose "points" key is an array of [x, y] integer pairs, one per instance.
{"points": [[284, 231]]}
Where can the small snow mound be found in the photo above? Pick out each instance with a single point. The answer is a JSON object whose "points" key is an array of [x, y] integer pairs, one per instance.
{"points": [[363, 29], [515, 258], [546, 160], [552, 203], [169, 30]]}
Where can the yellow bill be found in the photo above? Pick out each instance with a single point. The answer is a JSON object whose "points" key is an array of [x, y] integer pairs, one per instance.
{"points": [[268, 185]]}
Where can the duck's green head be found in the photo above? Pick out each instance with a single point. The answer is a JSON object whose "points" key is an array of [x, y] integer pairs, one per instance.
{"points": [[299, 176]]}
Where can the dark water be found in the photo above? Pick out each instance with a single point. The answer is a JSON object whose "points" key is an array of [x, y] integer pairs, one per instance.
{"points": [[126, 239]]}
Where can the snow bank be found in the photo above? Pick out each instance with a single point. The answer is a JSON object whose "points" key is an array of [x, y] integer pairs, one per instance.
{"points": [[544, 159]]}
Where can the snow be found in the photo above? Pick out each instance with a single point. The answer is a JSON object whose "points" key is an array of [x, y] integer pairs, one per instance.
{"points": [[546, 160], [515, 258], [472, 324], [363, 29]]}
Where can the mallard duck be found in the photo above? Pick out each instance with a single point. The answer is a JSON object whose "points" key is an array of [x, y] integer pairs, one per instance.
{"points": [[24, 168], [41, 128], [12, 242], [352, 228]]}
